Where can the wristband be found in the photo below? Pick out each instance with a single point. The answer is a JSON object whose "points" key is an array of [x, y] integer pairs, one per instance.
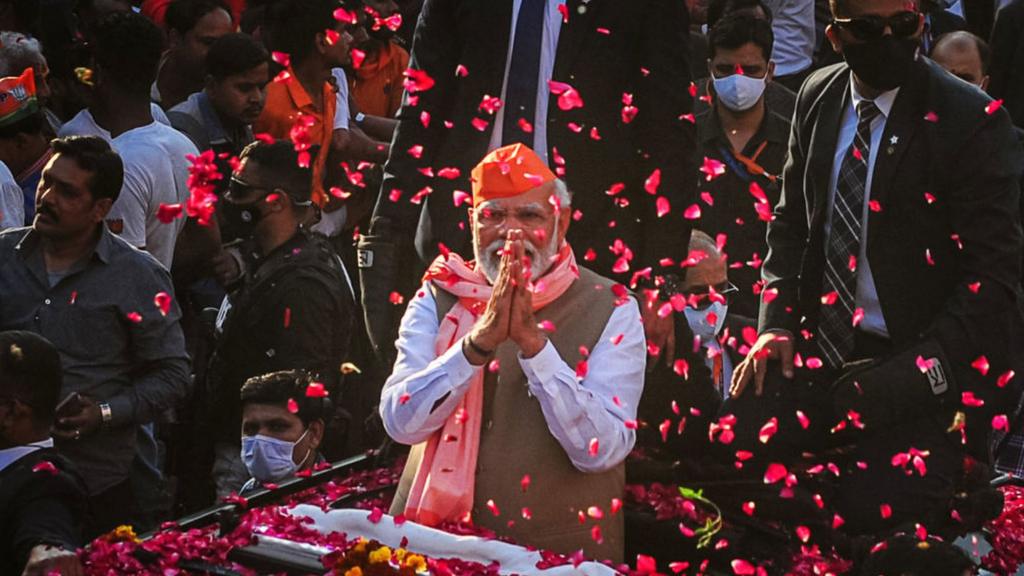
{"points": [[477, 349]]}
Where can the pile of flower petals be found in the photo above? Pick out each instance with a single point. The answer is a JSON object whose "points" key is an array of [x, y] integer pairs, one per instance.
{"points": [[1007, 534]]}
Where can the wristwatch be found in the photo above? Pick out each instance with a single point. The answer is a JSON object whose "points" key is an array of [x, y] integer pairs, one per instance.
{"points": [[360, 117], [105, 413]]}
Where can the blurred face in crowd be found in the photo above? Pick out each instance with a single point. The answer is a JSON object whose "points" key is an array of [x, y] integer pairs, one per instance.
{"points": [[960, 57], [879, 39], [65, 207], [335, 47], [534, 213], [275, 421], [240, 97], [192, 46], [706, 313]]}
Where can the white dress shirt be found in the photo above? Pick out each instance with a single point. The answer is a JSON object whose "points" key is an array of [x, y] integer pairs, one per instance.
{"points": [[425, 389], [867, 297], [549, 47], [11, 455]]}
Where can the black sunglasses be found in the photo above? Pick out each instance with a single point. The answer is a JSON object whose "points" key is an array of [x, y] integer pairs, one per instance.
{"points": [[238, 188], [867, 28]]}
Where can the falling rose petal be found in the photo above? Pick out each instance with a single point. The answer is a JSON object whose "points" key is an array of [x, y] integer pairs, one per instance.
{"points": [[595, 534], [924, 365], [493, 508], [547, 326], [1000, 422], [682, 368], [974, 287], [885, 511], [858, 316], [802, 418], [1004, 378], [404, 398], [774, 473], [524, 482], [981, 365], [417, 81], [931, 117], [993, 106], [813, 363], [712, 168], [316, 390], [595, 512], [768, 430], [345, 16], [653, 182], [375, 515], [928, 257], [45, 466], [929, 197], [494, 366], [461, 71], [358, 57], [677, 567], [581, 369], [770, 294], [663, 206], [281, 58], [568, 97], [803, 533], [970, 400], [741, 567], [692, 212], [749, 508], [396, 298], [134, 317], [162, 301], [293, 406], [168, 213], [593, 447]]}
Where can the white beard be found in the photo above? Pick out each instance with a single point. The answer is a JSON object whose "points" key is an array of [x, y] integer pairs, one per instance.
{"points": [[489, 260]]}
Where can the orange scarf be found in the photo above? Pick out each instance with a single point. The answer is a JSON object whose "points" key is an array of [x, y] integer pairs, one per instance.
{"points": [[445, 480]]}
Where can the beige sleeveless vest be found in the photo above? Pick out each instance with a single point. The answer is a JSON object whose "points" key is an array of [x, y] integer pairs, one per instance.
{"points": [[515, 441]]}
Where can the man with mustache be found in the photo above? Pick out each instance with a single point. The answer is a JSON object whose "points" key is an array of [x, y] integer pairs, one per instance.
{"points": [[518, 374]]}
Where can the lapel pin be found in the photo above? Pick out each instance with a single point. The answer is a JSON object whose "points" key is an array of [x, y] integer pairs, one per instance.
{"points": [[894, 140]]}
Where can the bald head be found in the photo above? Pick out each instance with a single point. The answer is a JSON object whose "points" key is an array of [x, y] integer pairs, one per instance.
{"points": [[964, 55], [710, 270]]}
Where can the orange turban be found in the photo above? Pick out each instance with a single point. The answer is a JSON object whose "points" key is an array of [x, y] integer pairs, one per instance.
{"points": [[509, 171]]}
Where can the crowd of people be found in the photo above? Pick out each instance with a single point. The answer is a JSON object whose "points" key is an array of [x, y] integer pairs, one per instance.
{"points": [[771, 248]]}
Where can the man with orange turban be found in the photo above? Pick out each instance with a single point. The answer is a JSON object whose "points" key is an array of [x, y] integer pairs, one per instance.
{"points": [[518, 375]]}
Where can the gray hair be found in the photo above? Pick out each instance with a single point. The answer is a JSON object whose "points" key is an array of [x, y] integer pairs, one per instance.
{"points": [[18, 52], [702, 241], [562, 193]]}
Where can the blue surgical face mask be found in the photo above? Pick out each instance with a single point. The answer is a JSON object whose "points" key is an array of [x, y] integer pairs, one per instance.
{"points": [[698, 320], [738, 92], [269, 459]]}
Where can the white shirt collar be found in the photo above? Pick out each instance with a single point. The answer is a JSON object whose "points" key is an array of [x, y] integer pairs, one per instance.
{"points": [[883, 101], [11, 455]]}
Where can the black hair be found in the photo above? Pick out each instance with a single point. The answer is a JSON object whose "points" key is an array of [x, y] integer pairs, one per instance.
{"points": [[31, 124], [93, 154], [30, 372], [183, 15], [905, 555], [735, 30], [279, 162], [127, 50], [718, 9], [278, 388], [292, 25], [233, 54]]}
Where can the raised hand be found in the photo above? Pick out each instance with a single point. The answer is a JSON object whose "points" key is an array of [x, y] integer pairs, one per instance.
{"points": [[523, 327], [492, 328]]}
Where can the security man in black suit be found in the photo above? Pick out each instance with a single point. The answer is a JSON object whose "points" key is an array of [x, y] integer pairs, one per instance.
{"points": [[618, 126], [42, 498], [897, 240]]}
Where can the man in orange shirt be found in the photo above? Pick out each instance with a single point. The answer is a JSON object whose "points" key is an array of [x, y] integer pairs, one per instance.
{"points": [[308, 102], [376, 84]]}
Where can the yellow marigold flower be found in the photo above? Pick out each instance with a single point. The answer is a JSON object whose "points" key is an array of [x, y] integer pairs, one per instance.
{"points": [[125, 533], [357, 571], [416, 562], [380, 555], [400, 554]]}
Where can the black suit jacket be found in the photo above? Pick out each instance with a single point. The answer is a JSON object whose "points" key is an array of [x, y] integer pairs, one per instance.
{"points": [[1007, 67], [606, 49], [948, 268], [39, 507]]}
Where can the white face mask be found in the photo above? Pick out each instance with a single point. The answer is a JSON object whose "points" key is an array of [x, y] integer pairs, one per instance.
{"points": [[738, 92], [269, 459], [698, 320]]}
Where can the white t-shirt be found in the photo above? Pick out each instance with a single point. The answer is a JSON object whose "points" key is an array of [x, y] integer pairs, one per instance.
{"points": [[155, 173], [83, 124], [341, 112], [12, 200]]}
